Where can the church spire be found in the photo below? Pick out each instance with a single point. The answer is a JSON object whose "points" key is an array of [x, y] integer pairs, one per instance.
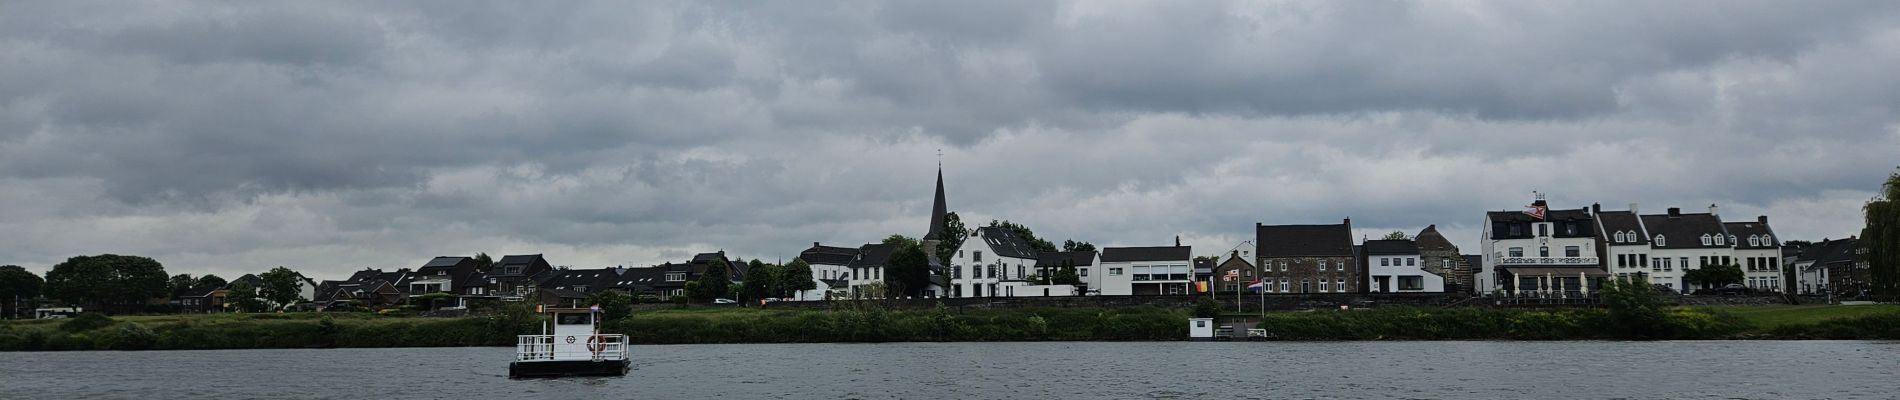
{"points": [[937, 210]]}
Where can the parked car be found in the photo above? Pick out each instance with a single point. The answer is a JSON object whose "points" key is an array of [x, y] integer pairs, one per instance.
{"points": [[725, 301]]}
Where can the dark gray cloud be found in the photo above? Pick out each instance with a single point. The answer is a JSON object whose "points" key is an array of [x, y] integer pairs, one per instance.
{"points": [[230, 137]]}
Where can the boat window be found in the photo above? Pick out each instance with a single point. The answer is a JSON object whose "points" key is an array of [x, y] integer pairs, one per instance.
{"points": [[574, 319]]}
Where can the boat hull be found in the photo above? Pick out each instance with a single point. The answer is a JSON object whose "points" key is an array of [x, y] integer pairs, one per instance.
{"points": [[555, 369]]}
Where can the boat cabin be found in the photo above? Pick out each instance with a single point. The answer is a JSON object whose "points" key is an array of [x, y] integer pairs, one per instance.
{"points": [[570, 344]]}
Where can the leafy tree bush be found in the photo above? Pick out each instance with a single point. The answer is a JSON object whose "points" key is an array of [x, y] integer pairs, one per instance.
{"points": [[1206, 308], [613, 304], [124, 282], [85, 322], [1636, 310]]}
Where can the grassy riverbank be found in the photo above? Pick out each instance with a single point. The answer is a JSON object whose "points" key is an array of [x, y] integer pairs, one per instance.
{"points": [[737, 325]]}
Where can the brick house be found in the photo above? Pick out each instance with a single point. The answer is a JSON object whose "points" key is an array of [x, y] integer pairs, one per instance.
{"points": [[1308, 258], [1439, 256]]}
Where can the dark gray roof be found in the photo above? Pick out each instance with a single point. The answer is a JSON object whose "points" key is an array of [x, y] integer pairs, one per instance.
{"points": [[365, 274], [439, 262], [636, 278], [1303, 240], [1565, 223], [476, 278], [1006, 244], [828, 255], [1134, 254], [1475, 261], [1834, 252], [1056, 258], [873, 255], [1683, 231], [1621, 221], [1742, 230], [1390, 247], [593, 279]]}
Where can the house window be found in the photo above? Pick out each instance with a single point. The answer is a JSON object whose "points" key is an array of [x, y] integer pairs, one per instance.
{"points": [[1325, 285], [1322, 265], [1754, 240], [1083, 272], [1543, 251], [1411, 262], [675, 276], [1142, 273], [956, 272], [1282, 265], [1706, 239], [976, 256], [1619, 237], [1411, 283], [1019, 271], [1385, 262], [1659, 240], [1731, 239], [1767, 240], [1339, 266], [1573, 251], [1642, 260], [1284, 285], [1543, 230], [1517, 252], [1114, 272]]}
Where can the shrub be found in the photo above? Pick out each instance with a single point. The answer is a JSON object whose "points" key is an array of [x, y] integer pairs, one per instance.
{"points": [[132, 336], [86, 322], [1206, 308]]}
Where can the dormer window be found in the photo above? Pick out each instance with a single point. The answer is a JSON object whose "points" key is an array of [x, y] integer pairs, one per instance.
{"points": [[1731, 239], [1754, 240], [1767, 240], [1659, 240], [1706, 239], [1619, 237]]}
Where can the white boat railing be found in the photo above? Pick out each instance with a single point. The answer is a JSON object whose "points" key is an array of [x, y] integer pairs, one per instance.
{"points": [[543, 348]]}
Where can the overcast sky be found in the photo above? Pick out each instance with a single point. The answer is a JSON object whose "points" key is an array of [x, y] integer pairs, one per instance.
{"points": [[231, 137]]}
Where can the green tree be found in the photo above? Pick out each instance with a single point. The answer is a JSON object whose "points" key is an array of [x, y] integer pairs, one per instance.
{"points": [[614, 304], [1027, 235], [953, 235], [1066, 274], [716, 282], [1396, 235], [483, 262], [1636, 308], [207, 283], [244, 298], [429, 300], [181, 283], [121, 282], [1714, 275], [907, 273], [795, 278], [758, 282], [281, 287], [1881, 237], [17, 285], [1071, 245], [1206, 308]]}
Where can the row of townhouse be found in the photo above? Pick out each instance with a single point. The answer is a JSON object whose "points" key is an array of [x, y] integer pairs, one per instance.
{"points": [[1837, 266], [526, 277], [1543, 252]]}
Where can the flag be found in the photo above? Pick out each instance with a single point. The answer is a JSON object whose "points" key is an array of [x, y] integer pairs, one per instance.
{"points": [[1257, 285], [1200, 286], [1535, 210], [1231, 274]]}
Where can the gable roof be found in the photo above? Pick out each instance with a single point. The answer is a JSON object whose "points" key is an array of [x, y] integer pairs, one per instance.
{"points": [[1684, 231], [1836, 252], [592, 279], [1158, 253], [1303, 240], [1056, 258], [1742, 230], [1006, 244], [1578, 219], [828, 255], [873, 255], [527, 262], [1390, 247], [1621, 221]]}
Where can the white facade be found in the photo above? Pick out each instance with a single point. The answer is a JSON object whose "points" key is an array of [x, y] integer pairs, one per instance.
{"points": [[1400, 274], [1144, 277], [1762, 268], [1535, 244], [978, 270]]}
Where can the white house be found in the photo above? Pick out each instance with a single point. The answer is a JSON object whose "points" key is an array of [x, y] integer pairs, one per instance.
{"points": [[830, 269], [1539, 252], [1758, 253], [1146, 270], [1679, 242], [1393, 266], [990, 261]]}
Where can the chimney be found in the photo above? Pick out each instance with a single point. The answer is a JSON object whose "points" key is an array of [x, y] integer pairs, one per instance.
{"points": [[1596, 208], [814, 244], [1712, 210], [1763, 219], [1675, 212], [1177, 240], [1633, 209]]}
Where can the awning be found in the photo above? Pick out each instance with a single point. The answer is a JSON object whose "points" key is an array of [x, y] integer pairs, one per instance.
{"points": [[1556, 271]]}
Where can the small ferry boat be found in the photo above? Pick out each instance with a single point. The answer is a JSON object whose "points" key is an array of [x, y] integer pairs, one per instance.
{"points": [[570, 345]]}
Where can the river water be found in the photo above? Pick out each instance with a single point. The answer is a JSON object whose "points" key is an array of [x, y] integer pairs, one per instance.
{"points": [[1062, 370]]}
